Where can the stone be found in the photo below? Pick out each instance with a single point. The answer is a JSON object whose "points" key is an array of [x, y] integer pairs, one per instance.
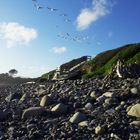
{"points": [[128, 108], [40, 92], [134, 91], [59, 109], [136, 123], [93, 94], [122, 103], [22, 99], [32, 112], [108, 94], [101, 99], [88, 106], [77, 117], [98, 130], [45, 101], [135, 111], [83, 123]]}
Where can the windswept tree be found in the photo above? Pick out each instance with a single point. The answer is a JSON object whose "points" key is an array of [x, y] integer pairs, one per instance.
{"points": [[13, 72]]}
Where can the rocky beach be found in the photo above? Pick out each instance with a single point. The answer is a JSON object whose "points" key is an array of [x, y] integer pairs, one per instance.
{"points": [[69, 70], [94, 109]]}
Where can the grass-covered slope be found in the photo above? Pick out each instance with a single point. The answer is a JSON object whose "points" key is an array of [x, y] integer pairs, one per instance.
{"points": [[48, 75], [103, 62]]}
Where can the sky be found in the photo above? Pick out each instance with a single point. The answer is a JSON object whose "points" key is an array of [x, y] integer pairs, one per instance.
{"points": [[37, 36]]}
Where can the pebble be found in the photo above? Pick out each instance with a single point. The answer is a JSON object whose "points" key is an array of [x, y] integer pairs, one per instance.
{"points": [[46, 101], [77, 117], [59, 109]]}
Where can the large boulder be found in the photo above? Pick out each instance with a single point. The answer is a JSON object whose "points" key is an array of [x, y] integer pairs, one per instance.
{"points": [[135, 111], [77, 117], [32, 112], [45, 101]]}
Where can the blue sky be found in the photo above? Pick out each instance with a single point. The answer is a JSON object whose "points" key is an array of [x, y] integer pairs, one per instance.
{"points": [[34, 41]]}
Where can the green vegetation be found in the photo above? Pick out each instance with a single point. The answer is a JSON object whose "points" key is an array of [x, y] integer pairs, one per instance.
{"points": [[49, 74], [102, 64], [135, 59]]}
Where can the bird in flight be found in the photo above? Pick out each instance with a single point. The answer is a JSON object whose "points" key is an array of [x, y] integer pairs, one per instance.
{"points": [[63, 15], [38, 7], [67, 20], [52, 9]]}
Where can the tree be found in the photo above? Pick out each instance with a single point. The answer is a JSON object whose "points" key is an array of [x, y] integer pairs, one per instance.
{"points": [[13, 72]]}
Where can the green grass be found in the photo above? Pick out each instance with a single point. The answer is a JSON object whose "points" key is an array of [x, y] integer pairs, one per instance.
{"points": [[49, 74], [103, 63]]}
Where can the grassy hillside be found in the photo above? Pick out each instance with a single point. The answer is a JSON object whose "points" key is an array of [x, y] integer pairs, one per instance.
{"points": [[103, 62], [49, 74]]}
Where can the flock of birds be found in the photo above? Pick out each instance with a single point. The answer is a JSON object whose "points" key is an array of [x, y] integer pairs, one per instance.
{"points": [[64, 35]]}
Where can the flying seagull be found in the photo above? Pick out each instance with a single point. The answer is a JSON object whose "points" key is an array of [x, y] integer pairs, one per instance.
{"points": [[63, 15], [67, 20], [38, 7], [52, 9]]}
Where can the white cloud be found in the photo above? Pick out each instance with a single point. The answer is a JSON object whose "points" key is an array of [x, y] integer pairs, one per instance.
{"points": [[87, 16], [59, 50], [13, 34]]}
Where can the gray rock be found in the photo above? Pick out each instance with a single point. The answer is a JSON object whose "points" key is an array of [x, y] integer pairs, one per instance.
{"points": [[101, 99], [46, 101], [59, 109], [136, 123], [83, 123], [108, 94], [88, 106], [32, 112], [77, 117], [134, 91]]}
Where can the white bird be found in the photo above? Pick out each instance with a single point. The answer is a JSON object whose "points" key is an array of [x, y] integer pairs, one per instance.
{"points": [[63, 15], [38, 7], [52, 9], [67, 20]]}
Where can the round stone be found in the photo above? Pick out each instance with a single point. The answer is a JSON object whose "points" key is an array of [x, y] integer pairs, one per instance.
{"points": [[134, 90]]}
